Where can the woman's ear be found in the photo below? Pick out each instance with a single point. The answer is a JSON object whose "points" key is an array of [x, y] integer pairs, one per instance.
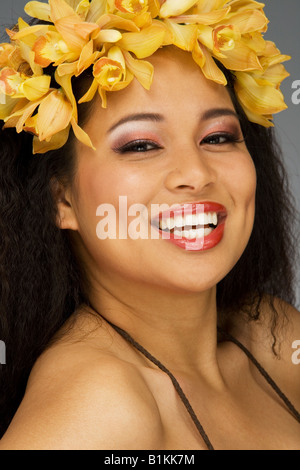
{"points": [[66, 215]]}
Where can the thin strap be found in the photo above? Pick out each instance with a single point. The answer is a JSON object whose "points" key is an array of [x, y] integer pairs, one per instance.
{"points": [[181, 393], [263, 373], [177, 387]]}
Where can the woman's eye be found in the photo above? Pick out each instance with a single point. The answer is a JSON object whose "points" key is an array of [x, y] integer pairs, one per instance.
{"points": [[221, 139], [138, 146]]}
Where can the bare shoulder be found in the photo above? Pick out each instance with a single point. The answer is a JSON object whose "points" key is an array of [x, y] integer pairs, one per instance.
{"points": [[81, 398], [257, 336]]}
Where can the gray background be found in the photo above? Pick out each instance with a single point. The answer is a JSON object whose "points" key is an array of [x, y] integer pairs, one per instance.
{"points": [[284, 30]]}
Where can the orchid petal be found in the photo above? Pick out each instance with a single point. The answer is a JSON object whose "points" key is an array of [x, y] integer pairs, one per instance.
{"points": [[36, 87], [205, 36], [267, 62], [102, 94], [65, 82], [87, 58], [5, 54], [60, 9], [211, 70], [50, 48], [154, 7], [82, 8], [67, 69], [241, 58], [81, 135], [30, 125], [7, 105], [97, 8], [255, 41], [259, 119], [116, 54], [55, 142], [141, 69], [256, 98], [42, 29], [84, 30], [124, 83], [89, 95], [207, 6], [66, 27], [54, 115], [209, 18], [108, 72], [247, 21], [75, 4], [109, 35], [132, 6], [113, 21], [10, 81], [175, 7], [184, 36], [38, 10], [198, 55], [144, 43], [144, 20], [245, 5], [23, 113]]}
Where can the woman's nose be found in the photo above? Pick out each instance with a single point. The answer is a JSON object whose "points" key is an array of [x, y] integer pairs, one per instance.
{"points": [[190, 171]]}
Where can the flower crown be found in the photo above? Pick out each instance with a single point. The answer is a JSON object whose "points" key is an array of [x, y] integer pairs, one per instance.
{"points": [[113, 37]]}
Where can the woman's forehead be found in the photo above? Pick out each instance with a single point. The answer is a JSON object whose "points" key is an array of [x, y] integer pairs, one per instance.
{"points": [[178, 85]]}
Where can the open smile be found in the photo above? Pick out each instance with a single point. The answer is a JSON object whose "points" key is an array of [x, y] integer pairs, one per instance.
{"points": [[193, 227]]}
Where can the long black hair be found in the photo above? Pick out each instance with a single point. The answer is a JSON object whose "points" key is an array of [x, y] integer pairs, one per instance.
{"points": [[42, 283]]}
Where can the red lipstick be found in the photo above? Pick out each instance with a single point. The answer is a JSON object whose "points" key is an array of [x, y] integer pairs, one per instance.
{"points": [[198, 226]]}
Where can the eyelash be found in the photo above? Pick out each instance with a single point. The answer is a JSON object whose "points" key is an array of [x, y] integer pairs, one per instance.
{"points": [[131, 147]]}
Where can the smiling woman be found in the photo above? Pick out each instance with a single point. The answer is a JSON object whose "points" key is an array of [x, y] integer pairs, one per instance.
{"points": [[182, 340]]}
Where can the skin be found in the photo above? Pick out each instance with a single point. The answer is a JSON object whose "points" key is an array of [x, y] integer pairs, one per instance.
{"points": [[91, 389]]}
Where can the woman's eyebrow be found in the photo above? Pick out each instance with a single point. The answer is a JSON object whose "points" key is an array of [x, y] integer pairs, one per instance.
{"points": [[137, 117], [218, 112], [154, 117]]}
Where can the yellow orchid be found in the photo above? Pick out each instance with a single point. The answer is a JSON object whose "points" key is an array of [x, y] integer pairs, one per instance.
{"points": [[11, 56], [259, 101], [145, 42], [132, 6], [110, 74], [17, 85], [175, 7], [110, 71], [112, 38]]}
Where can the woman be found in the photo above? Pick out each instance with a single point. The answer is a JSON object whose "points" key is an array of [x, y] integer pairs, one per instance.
{"points": [[144, 342]]}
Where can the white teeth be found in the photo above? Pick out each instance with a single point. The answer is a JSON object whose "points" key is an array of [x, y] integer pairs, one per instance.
{"points": [[170, 224], [163, 224], [192, 234], [207, 231], [189, 220], [179, 221]]}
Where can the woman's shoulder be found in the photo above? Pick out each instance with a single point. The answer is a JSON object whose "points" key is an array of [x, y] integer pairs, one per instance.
{"points": [[80, 396], [275, 348]]}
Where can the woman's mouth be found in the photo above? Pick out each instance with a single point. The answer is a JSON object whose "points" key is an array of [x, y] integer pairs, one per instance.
{"points": [[193, 227]]}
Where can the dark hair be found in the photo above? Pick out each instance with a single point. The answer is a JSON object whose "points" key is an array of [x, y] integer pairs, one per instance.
{"points": [[42, 282]]}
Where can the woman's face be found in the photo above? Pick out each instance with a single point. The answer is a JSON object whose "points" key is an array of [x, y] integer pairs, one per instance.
{"points": [[178, 144]]}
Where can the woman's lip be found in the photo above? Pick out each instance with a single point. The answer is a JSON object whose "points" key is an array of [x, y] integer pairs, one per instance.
{"points": [[188, 209], [197, 244]]}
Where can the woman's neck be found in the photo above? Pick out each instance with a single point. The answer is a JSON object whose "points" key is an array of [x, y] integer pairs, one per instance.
{"points": [[177, 328]]}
